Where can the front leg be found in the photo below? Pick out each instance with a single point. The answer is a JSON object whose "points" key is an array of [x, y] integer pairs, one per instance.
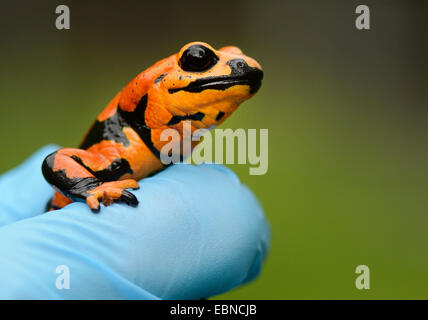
{"points": [[83, 175]]}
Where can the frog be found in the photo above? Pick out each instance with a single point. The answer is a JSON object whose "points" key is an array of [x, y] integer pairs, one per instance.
{"points": [[198, 85]]}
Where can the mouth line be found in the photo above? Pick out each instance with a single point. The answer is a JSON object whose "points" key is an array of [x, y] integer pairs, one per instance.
{"points": [[219, 83]]}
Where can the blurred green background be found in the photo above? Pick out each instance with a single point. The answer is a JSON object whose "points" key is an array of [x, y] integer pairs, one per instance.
{"points": [[346, 112]]}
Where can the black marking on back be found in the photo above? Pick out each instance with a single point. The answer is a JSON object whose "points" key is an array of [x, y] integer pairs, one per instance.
{"points": [[109, 129], [220, 115], [196, 116], [112, 128], [137, 121]]}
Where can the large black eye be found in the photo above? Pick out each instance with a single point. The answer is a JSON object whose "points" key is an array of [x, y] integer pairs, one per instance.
{"points": [[197, 58]]}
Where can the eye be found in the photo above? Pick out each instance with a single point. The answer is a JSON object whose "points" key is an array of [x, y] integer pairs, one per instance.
{"points": [[197, 58]]}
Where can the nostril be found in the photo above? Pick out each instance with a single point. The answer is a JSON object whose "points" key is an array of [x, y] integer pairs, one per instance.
{"points": [[238, 66]]}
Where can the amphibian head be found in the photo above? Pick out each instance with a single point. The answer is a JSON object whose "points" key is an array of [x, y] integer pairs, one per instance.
{"points": [[198, 83]]}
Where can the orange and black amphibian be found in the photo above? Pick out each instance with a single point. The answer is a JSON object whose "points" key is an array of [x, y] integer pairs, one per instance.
{"points": [[198, 83]]}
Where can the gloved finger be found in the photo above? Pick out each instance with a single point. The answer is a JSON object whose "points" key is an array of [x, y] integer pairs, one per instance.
{"points": [[24, 192], [197, 232]]}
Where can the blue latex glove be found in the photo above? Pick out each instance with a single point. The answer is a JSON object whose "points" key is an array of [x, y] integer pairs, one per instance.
{"points": [[197, 232]]}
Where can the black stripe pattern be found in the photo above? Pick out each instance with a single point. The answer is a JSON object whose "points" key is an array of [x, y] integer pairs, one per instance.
{"points": [[112, 128], [196, 116], [75, 188]]}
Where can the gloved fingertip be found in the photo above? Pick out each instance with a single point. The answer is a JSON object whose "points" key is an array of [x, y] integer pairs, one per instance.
{"points": [[263, 235], [260, 256], [24, 190]]}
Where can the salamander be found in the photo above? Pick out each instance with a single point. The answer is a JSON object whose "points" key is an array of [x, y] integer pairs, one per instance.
{"points": [[198, 84]]}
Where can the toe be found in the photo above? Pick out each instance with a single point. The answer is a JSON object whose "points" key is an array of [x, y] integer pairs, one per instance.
{"points": [[129, 198], [93, 203]]}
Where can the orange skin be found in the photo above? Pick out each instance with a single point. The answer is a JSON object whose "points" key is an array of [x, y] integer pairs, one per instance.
{"points": [[151, 102]]}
